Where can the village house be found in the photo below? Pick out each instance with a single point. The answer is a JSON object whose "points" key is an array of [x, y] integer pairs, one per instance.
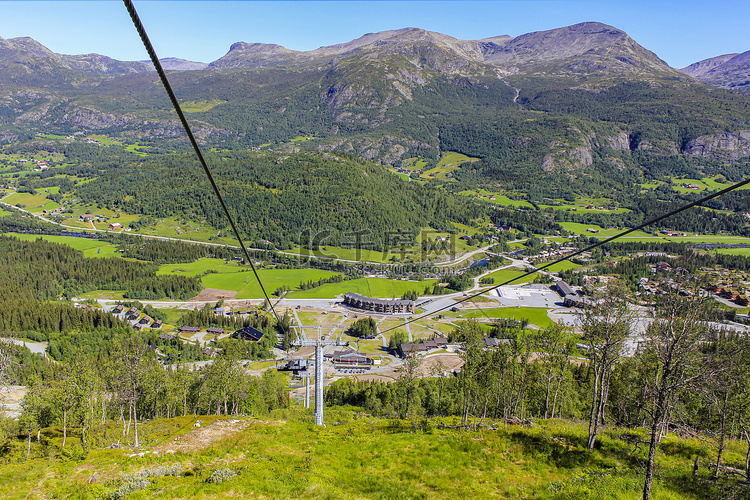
{"points": [[249, 334], [189, 329], [115, 225], [118, 309], [216, 330], [156, 324]]}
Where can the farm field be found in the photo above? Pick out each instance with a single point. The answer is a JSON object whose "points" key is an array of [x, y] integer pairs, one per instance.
{"points": [[371, 287], [449, 162], [535, 315], [561, 266], [90, 247], [734, 251], [502, 275], [32, 202], [577, 228], [247, 287]]}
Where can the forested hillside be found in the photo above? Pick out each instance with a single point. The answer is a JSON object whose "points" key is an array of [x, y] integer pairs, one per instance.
{"points": [[285, 199]]}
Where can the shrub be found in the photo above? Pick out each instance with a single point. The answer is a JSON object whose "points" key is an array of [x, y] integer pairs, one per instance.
{"points": [[221, 475]]}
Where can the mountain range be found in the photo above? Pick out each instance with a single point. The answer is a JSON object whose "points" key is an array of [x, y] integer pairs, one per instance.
{"points": [[565, 99]]}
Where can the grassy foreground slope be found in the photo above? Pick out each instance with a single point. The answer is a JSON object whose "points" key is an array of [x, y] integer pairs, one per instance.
{"points": [[359, 456]]}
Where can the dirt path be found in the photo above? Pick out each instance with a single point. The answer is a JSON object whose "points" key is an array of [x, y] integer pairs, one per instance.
{"points": [[203, 437]]}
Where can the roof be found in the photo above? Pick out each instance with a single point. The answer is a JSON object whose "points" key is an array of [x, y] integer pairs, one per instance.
{"points": [[349, 356], [385, 302], [184, 328], [216, 329], [564, 288], [248, 333]]}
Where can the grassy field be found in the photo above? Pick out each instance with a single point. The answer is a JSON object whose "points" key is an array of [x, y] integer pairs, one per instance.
{"points": [[449, 161], [577, 228], [90, 248], [561, 266], [371, 287], [503, 275], [247, 286], [200, 106], [734, 251], [31, 202], [284, 456], [535, 315]]}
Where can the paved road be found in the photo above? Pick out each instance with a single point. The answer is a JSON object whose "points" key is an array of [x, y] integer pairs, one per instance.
{"points": [[35, 347]]}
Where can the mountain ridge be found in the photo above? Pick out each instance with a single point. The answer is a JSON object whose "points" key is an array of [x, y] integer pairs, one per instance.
{"points": [[729, 71]]}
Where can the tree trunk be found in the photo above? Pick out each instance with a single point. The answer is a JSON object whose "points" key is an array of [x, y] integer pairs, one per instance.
{"points": [[594, 409], [557, 391], [65, 426], [28, 446], [546, 395], [135, 423], [722, 433], [655, 428]]}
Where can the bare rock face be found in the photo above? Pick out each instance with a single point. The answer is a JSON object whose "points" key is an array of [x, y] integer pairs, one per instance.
{"points": [[571, 155], [722, 146], [617, 142]]}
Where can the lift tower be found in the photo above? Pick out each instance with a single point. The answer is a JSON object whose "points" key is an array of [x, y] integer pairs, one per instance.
{"points": [[319, 380]]}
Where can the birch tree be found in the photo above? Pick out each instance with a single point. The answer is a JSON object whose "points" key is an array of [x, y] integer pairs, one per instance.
{"points": [[606, 322], [672, 349]]}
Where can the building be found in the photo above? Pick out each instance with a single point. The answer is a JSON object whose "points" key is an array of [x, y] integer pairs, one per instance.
{"points": [[564, 289], [351, 358], [249, 334], [115, 225], [156, 324], [189, 329], [118, 309], [408, 350], [398, 306], [216, 330]]}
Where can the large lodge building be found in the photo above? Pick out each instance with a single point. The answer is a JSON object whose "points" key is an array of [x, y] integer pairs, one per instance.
{"points": [[378, 305]]}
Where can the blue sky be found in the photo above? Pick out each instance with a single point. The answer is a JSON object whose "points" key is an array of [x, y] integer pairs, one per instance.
{"points": [[680, 32]]}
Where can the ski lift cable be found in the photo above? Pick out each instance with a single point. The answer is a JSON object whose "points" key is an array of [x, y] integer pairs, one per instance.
{"points": [[162, 75]]}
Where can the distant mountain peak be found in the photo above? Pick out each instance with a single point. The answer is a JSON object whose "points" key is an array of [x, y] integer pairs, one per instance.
{"points": [[730, 71]]}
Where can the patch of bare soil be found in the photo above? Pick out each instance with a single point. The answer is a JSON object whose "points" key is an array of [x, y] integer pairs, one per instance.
{"points": [[213, 295], [203, 437], [430, 364], [10, 399], [387, 376]]}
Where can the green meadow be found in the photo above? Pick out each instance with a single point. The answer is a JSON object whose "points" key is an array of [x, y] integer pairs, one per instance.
{"points": [[449, 161], [90, 247], [503, 275], [535, 315], [371, 287], [284, 456]]}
